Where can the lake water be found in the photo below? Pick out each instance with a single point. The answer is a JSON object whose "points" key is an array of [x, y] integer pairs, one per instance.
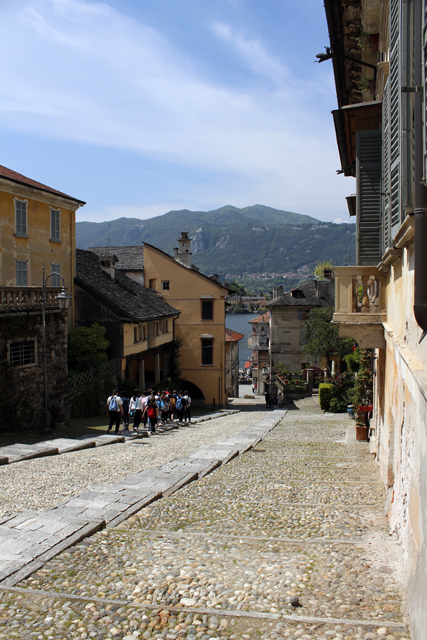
{"points": [[240, 322]]}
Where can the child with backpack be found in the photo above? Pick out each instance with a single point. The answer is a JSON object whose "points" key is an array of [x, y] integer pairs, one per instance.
{"points": [[180, 406]]}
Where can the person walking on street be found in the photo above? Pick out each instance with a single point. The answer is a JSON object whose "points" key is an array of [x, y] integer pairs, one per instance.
{"points": [[125, 407], [133, 403], [115, 410], [151, 411], [187, 414], [180, 406]]}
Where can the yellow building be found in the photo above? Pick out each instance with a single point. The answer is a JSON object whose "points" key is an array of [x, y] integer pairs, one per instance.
{"points": [[201, 303], [37, 226], [139, 324]]}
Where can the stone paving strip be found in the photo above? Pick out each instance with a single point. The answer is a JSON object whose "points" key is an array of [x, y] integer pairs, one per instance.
{"points": [[18, 452], [29, 539], [225, 557]]}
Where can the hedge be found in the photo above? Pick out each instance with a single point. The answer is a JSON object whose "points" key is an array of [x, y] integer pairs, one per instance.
{"points": [[325, 393]]}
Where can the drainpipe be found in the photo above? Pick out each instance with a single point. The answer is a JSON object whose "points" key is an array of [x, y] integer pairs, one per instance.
{"points": [[420, 195]]}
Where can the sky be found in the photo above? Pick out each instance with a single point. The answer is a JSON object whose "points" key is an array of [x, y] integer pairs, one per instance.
{"points": [[140, 107]]}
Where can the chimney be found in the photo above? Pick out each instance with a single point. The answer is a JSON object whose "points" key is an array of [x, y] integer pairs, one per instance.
{"points": [[280, 290], [108, 265], [182, 253]]}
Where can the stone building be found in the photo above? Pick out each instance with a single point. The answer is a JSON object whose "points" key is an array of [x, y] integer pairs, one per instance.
{"points": [[232, 339], [37, 230], [288, 311], [259, 344], [381, 301], [139, 323]]}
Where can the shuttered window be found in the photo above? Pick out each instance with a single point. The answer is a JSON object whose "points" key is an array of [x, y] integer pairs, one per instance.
{"points": [[394, 118], [368, 185], [55, 232], [386, 168], [20, 217]]}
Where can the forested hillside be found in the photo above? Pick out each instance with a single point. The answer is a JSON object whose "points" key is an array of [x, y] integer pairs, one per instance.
{"points": [[232, 241]]}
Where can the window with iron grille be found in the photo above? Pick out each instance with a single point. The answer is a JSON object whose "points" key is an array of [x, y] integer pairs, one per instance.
{"points": [[55, 280], [22, 353], [21, 273], [20, 217], [54, 225], [207, 351]]}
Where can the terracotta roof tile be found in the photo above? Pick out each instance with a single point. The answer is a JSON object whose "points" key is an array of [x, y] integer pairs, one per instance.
{"points": [[264, 317], [232, 336], [18, 177]]}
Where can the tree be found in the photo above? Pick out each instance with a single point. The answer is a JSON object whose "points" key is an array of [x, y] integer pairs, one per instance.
{"points": [[321, 338], [320, 267], [87, 347]]}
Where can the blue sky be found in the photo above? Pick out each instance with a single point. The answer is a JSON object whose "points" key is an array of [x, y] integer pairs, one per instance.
{"points": [[139, 107]]}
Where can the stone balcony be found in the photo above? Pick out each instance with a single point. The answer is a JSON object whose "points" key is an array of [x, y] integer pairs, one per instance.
{"points": [[258, 342], [360, 305], [15, 300]]}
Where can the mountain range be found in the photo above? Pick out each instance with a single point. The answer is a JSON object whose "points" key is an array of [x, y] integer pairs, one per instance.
{"points": [[230, 241]]}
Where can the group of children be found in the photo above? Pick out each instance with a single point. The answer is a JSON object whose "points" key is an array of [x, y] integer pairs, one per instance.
{"points": [[156, 408]]}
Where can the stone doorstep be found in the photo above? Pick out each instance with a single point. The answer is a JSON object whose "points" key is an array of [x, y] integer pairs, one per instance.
{"points": [[203, 466], [64, 445]]}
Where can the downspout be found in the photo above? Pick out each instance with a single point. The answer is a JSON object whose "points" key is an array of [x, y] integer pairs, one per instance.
{"points": [[420, 194]]}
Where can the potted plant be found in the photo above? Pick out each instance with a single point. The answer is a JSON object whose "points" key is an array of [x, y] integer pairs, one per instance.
{"points": [[362, 394]]}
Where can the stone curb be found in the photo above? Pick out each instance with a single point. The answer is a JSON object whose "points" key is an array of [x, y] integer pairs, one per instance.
{"points": [[18, 452], [29, 539]]}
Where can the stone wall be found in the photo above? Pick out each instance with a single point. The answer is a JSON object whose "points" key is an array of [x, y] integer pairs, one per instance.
{"points": [[21, 398]]}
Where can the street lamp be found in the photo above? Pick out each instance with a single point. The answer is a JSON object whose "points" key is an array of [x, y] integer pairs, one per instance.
{"points": [[63, 302]]}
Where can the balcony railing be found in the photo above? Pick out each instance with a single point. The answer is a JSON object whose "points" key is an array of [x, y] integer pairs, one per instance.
{"points": [[15, 299], [360, 305]]}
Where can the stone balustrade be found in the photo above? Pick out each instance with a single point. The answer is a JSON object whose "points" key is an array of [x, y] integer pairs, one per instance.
{"points": [[360, 305], [14, 299]]}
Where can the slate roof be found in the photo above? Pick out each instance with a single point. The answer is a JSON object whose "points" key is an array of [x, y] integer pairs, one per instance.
{"points": [[311, 294], [18, 177], [125, 297], [232, 336], [264, 317], [129, 258]]}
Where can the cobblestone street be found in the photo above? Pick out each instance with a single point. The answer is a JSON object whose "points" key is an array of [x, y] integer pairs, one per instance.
{"points": [[287, 540]]}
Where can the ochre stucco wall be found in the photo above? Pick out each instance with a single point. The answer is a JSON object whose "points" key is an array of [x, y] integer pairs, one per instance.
{"points": [[186, 288]]}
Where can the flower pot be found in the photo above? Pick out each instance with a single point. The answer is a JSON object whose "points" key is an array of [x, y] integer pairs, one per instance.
{"points": [[361, 433], [365, 408]]}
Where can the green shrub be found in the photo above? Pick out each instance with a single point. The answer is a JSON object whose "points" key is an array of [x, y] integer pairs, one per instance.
{"points": [[338, 405], [325, 391]]}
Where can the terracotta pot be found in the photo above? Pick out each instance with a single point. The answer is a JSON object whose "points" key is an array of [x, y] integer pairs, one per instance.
{"points": [[365, 408], [361, 433]]}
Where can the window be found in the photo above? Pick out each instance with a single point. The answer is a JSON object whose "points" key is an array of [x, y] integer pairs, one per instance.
{"points": [[207, 309], [139, 332], [135, 334], [20, 217], [55, 280], [152, 284], [165, 285], [144, 332], [21, 273], [22, 353], [157, 329], [207, 351], [54, 225]]}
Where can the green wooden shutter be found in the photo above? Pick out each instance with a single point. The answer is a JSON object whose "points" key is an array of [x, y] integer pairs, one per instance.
{"points": [[368, 191], [386, 168], [425, 85], [395, 110]]}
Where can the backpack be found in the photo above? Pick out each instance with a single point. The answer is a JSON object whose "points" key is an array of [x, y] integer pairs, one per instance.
{"points": [[125, 405], [179, 403], [113, 404]]}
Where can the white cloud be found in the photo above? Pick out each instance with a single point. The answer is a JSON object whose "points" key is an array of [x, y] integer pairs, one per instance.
{"points": [[84, 72]]}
